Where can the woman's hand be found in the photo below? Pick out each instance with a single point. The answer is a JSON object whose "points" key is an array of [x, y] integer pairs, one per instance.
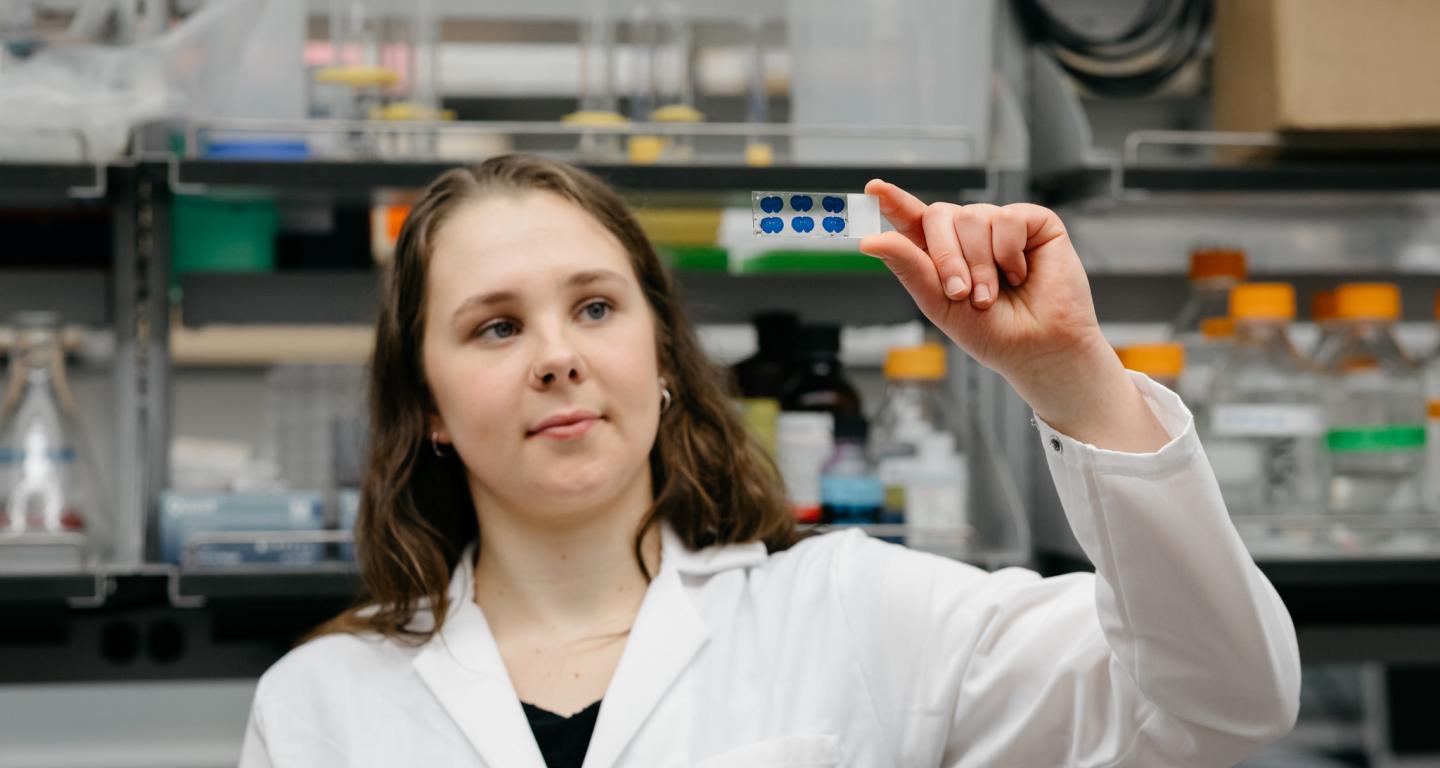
{"points": [[1006, 285]]}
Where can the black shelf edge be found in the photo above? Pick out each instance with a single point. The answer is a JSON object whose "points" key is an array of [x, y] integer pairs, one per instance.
{"points": [[1081, 183], [1128, 297], [1353, 573], [329, 582], [310, 298], [352, 177], [81, 296], [279, 298], [24, 182], [1310, 177], [26, 588], [851, 298], [336, 582]]}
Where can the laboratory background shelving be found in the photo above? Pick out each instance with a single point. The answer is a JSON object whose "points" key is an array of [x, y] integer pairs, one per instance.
{"points": [[141, 619]]}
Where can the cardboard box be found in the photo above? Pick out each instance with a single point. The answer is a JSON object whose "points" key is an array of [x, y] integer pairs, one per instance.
{"points": [[1327, 65]]}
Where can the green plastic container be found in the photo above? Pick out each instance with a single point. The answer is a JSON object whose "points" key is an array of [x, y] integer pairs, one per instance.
{"points": [[223, 234]]}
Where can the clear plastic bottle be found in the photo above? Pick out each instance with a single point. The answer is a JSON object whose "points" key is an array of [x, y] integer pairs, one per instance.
{"points": [[937, 482], [1213, 272], [1265, 422], [1374, 406], [1162, 362], [914, 408], [1431, 377], [1202, 360], [47, 478], [1330, 325], [850, 490], [914, 400]]}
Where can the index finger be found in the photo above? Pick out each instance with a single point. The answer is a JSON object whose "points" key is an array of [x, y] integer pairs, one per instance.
{"points": [[900, 208]]}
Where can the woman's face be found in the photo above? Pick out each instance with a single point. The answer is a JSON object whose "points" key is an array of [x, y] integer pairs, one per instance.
{"points": [[540, 353]]}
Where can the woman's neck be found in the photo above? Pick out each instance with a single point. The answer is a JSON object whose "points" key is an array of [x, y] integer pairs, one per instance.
{"points": [[546, 583]]}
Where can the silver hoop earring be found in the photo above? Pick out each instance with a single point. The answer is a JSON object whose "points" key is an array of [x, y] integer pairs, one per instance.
{"points": [[435, 444], [664, 399]]}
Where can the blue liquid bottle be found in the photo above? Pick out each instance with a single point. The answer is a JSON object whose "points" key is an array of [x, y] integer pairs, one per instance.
{"points": [[850, 489]]}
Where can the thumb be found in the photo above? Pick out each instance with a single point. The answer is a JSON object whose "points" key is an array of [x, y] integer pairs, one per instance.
{"points": [[914, 268]]}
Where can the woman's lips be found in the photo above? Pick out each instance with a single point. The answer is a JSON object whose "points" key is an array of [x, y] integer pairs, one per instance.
{"points": [[566, 428]]}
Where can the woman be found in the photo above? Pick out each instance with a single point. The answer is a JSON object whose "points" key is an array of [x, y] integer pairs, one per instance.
{"points": [[571, 550]]}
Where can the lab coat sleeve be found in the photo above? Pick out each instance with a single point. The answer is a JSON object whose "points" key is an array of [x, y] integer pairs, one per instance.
{"points": [[1176, 652], [253, 751]]}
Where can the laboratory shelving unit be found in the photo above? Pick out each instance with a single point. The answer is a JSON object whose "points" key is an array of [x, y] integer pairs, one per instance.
{"points": [[1348, 607], [137, 618]]}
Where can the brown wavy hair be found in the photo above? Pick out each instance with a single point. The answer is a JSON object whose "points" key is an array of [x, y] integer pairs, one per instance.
{"points": [[710, 479]]}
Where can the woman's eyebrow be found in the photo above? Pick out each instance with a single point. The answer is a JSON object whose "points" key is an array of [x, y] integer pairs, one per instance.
{"points": [[483, 300], [593, 276], [587, 277]]}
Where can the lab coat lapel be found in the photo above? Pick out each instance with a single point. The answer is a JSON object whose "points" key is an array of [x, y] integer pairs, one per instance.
{"points": [[463, 668], [665, 637]]}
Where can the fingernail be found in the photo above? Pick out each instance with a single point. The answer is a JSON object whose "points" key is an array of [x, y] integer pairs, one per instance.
{"points": [[982, 293], [954, 287], [1013, 278]]}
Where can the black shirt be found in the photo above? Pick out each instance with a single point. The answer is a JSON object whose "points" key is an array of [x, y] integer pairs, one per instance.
{"points": [[563, 740]]}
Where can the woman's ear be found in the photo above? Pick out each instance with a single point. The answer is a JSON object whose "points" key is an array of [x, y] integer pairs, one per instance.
{"points": [[437, 428]]}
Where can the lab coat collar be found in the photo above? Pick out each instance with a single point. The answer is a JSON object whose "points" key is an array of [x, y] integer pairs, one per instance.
{"points": [[462, 665], [710, 560]]}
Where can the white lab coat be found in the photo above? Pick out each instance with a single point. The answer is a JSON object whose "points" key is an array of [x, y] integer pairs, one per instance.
{"points": [[845, 650]]}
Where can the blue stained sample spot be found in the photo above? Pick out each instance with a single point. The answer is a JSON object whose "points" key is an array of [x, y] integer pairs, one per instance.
{"points": [[771, 204], [802, 203], [833, 204], [772, 224], [802, 224], [833, 224]]}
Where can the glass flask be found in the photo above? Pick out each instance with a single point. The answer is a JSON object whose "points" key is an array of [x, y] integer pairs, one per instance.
{"points": [[47, 477]]}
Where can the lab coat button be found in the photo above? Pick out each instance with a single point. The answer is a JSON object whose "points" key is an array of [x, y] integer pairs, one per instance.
{"points": [[1055, 444]]}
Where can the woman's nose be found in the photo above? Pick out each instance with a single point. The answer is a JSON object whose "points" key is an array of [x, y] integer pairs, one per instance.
{"points": [[557, 361]]}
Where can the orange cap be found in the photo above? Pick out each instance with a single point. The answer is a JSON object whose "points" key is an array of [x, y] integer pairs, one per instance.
{"points": [[1262, 301], [1217, 327], [1210, 263], [1322, 306], [395, 216], [1367, 301], [1437, 305], [926, 362], [1164, 361]]}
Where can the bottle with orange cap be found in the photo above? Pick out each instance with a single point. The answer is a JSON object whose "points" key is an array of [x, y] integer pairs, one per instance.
{"points": [[1374, 407], [1265, 422], [1330, 325], [913, 443], [1202, 357], [1431, 376], [1213, 272], [1162, 362]]}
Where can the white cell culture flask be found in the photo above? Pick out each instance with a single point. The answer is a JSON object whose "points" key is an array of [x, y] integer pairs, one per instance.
{"points": [[815, 214]]}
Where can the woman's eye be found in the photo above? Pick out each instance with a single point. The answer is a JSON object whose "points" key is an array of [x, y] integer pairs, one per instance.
{"points": [[501, 329], [596, 310]]}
